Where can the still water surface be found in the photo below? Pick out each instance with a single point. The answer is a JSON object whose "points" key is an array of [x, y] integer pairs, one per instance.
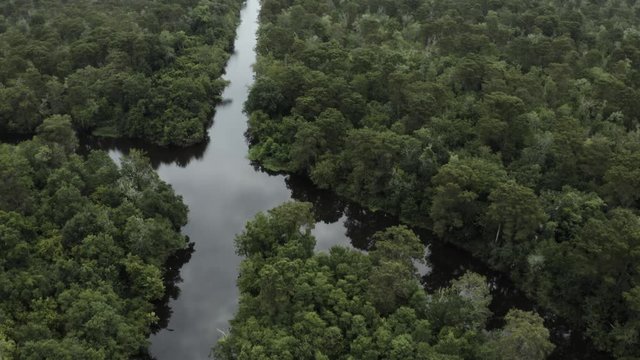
{"points": [[223, 190]]}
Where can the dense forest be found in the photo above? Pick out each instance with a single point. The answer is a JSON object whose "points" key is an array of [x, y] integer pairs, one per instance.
{"points": [[145, 69], [509, 128], [345, 304], [83, 244]]}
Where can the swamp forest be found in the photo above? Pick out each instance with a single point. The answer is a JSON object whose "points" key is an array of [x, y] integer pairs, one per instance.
{"points": [[320, 179]]}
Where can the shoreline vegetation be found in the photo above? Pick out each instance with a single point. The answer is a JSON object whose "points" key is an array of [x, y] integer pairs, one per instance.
{"points": [[509, 128], [346, 304], [146, 69]]}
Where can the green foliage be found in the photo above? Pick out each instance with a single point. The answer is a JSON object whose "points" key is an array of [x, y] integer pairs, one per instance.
{"points": [[466, 301], [523, 337], [344, 304], [509, 128], [147, 69], [82, 249]]}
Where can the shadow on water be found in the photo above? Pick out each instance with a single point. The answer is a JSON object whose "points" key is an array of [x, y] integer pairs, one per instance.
{"points": [[171, 283], [446, 262], [158, 155], [172, 280]]}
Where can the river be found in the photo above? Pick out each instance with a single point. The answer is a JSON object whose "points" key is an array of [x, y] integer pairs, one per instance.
{"points": [[223, 190]]}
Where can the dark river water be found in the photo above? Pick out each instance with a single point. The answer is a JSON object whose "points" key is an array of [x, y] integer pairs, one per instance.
{"points": [[223, 190]]}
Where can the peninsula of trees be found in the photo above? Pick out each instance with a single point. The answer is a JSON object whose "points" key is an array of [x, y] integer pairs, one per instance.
{"points": [[83, 244], [146, 69], [507, 127]]}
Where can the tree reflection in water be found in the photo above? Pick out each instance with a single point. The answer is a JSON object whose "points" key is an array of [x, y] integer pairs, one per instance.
{"points": [[171, 281], [158, 155]]}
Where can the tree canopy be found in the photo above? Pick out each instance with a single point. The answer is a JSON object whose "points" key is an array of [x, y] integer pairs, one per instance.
{"points": [[83, 243], [145, 69]]}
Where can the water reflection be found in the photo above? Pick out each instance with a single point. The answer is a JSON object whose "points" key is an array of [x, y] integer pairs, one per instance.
{"points": [[358, 222], [328, 208], [158, 155], [172, 282], [446, 263]]}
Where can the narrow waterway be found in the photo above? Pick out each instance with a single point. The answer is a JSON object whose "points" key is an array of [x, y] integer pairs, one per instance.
{"points": [[223, 190]]}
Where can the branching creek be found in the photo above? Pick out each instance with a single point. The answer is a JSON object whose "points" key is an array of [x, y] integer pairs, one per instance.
{"points": [[223, 190]]}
